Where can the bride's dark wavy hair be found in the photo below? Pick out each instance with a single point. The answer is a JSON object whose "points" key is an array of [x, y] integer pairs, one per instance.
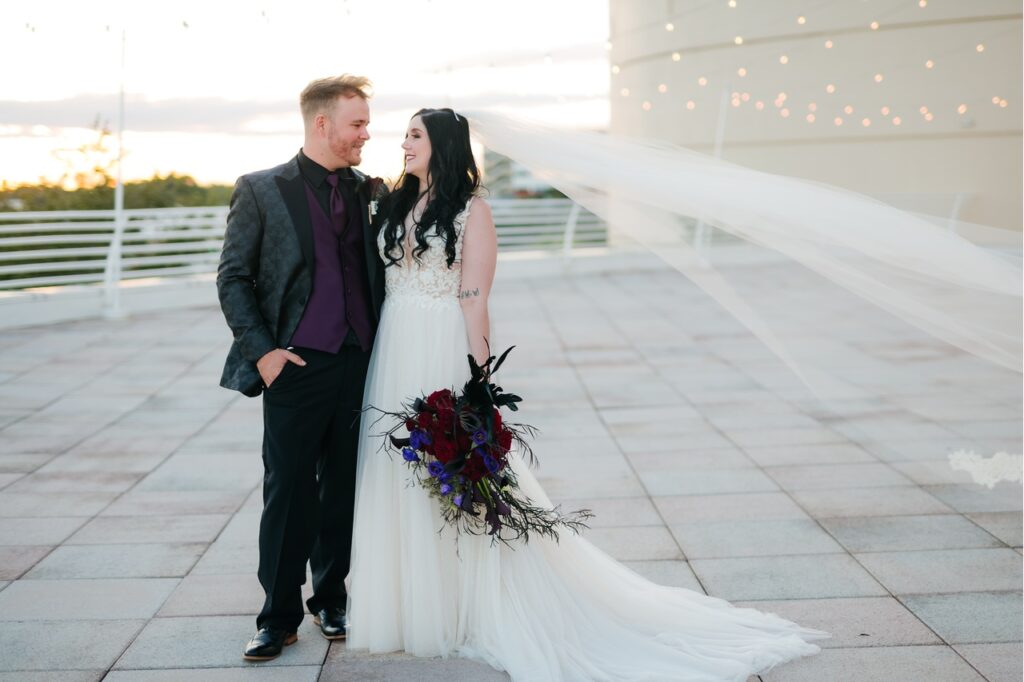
{"points": [[453, 180]]}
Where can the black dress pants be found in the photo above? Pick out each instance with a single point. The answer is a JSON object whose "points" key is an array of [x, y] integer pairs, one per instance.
{"points": [[310, 440]]}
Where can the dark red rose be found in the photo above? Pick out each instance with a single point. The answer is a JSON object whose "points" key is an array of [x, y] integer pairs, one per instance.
{"points": [[505, 439], [410, 424], [444, 451], [442, 400], [497, 420], [425, 420]]}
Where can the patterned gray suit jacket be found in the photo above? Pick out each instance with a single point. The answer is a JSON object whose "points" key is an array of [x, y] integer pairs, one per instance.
{"points": [[265, 274]]}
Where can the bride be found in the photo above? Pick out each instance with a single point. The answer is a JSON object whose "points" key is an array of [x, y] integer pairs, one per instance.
{"points": [[544, 610]]}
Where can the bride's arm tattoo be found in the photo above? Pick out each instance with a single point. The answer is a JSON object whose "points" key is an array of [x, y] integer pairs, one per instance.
{"points": [[469, 294]]}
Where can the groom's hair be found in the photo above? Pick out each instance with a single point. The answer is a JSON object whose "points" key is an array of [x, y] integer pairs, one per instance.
{"points": [[322, 93]]}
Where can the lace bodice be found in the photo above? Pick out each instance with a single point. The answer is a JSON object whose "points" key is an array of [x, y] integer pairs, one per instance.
{"points": [[429, 276]]}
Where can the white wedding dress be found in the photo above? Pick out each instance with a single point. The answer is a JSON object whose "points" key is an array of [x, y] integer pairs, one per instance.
{"points": [[543, 611]]}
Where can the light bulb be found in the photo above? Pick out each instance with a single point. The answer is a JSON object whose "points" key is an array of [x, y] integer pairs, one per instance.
{"points": [[615, 69], [702, 81], [784, 113], [828, 44], [874, 25], [885, 111], [879, 78], [812, 106], [848, 109], [738, 40], [662, 88], [676, 56], [962, 109], [830, 88], [741, 72], [624, 92], [670, 26], [810, 118], [980, 47], [896, 120], [801, 20], [691, 105], [783, 59], [646, 106], [838, 121], [929, 64], [866, 122]]}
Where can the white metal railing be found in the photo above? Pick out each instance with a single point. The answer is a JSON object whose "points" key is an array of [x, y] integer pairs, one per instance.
{"points": [[59, 248]]}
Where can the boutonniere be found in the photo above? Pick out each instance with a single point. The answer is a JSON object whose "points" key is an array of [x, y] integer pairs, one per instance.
{"points": [[373, 208]]}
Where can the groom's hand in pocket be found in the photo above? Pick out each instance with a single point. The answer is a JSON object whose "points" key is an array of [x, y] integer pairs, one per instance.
{"points": [[271, 364]]}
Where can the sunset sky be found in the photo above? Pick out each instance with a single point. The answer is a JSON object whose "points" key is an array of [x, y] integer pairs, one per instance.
{"points": [[212, 87]]}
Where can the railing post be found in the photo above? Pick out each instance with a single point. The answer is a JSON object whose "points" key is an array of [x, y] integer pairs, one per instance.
{"points": [[112, 271], [570, 231]]}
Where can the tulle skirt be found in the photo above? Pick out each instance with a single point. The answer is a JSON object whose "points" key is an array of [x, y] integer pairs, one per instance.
{"points": [[544, 611]]}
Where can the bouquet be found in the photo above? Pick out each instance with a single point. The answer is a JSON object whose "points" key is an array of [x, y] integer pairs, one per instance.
{"points": [[458, 447]]}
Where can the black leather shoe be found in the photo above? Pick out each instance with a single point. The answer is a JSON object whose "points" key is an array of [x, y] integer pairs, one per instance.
{"points": [[332, 622], [267, 643]]}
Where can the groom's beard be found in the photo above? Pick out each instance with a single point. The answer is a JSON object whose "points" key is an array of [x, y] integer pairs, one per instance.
{"points": [[351, 153]]}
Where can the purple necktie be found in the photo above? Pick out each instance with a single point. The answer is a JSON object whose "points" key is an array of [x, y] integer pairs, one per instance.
{"points": [[337, 204]]}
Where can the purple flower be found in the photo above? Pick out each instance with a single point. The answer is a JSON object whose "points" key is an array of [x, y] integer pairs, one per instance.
{"points": [[491, 464], [457, 500], [410, 455], [445, 489], [479, 437], [435, 468], [418, 439]]}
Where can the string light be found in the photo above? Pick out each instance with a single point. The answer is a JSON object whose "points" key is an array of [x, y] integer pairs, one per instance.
{"points": [[745, 96], [838, 121], [929, 116], [874, 25], [866, 123], [676, 56], [801, 20], [1003, 103], [896, 120], [810, 118], [784, 113], [980, 47], [962, 109], [608, 45], [828, 44], [923, 110], [732, 4], [691, 105], [738, 40], [783, 59], [885, 111], [646, 106], [735, 101], [929, 64], [830, 89], [812, 107], [759, 105], [922, 3], [624, 92], [662, 88], [848, 109], [741, 72], [702, 81], [615, 68], [670, 26], [879, 78], [995, 100]]}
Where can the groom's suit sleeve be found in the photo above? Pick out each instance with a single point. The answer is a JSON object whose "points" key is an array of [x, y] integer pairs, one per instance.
{"points": [[237, 274]]}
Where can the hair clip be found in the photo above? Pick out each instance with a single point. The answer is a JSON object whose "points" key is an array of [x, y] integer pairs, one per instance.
{"points": [[456, 115]]}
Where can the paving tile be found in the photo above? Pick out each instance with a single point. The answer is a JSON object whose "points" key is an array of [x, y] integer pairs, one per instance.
{"points": [[231, 472], [779, 437], [997, 662], [878, 664], [727, 507], [611, 512], [889, 533], [64, 645], [1004, 525], [104, 530], [119, 599], [978, 498], [828, 453], [970, 617], [53, 676], [933, 472], [669, 573], [38, 531], [945, 570], [694, 440], [118, 561], [853, 621], [16, 560], [352, 667], [97, 463], [691, 460], [215, 595], [830, 476], [22, 462], [159, 502], [786, 577], [706, 482], [53, 504], [635, 543], [884, 501], [584, 486], [253, 673], [715, 539], [74, 481], [213, 642]]}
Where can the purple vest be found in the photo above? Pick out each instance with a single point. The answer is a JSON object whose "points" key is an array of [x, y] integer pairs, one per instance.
{"points": [[340, 299]]}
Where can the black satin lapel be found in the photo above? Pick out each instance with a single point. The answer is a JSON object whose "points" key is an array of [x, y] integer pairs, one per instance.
{"points": [[293, 191]]}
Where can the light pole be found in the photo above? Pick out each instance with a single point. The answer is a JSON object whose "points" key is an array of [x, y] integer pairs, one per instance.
{"points": [[112, 271]]}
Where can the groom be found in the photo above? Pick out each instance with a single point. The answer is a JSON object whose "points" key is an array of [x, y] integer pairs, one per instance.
{"points": [[301, 287]]}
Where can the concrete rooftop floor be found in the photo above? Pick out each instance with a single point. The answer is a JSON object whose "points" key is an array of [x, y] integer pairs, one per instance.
{"points": [[129, 488]]}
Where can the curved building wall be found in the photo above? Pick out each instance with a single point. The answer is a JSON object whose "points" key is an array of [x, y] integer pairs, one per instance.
{"points": [[914, 101]]}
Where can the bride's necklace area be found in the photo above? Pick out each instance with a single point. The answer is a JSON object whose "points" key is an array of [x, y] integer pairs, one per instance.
{"points": [[409, 224]]}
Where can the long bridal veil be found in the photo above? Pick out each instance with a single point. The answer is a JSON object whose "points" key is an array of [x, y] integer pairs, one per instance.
{"points": [[876, 268]]}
